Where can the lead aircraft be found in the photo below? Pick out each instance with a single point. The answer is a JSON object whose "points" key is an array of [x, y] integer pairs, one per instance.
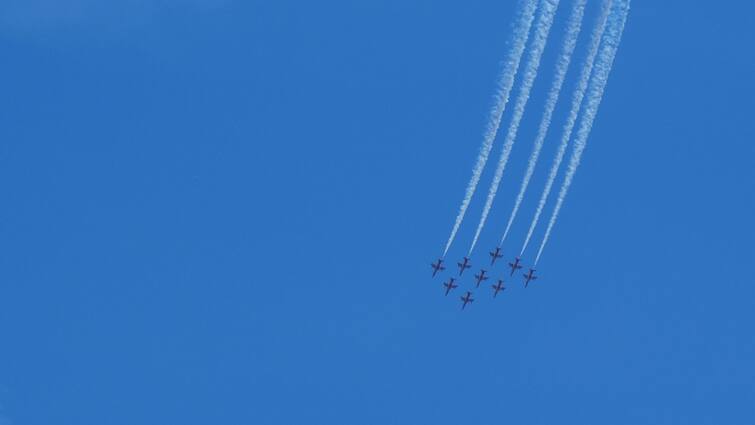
{"points": [[498, 287], [529, 276], [466, 299]]}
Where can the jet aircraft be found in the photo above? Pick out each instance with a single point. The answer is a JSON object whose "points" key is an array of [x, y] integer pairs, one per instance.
{"points": [[495, 255], [437, 267], [450, 285], [515, 265], [480, 277], [464, 265], [529, 276], [498, 287], [466, 299]]}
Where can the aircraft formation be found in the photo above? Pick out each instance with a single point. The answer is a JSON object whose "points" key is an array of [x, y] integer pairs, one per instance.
{"points": [[530, 36], [481, 276]]}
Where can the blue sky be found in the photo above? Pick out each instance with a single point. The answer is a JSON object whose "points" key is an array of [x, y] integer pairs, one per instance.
{"points": [[224, 212]]}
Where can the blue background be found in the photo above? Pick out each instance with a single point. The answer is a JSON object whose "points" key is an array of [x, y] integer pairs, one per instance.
{"points": [[222, 212]]}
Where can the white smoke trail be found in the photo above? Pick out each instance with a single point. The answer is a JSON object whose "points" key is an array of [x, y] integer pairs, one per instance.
{"points": [[595, 95], [579, 94], [506, 81], [542, 29], [573, 29]]}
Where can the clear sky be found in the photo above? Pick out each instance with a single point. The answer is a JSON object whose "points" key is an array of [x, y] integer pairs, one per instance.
{"points": [[223, 212]]}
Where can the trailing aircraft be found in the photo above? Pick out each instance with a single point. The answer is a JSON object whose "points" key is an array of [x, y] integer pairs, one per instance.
{"points": [[515, 265], [495, 255], [450, 285], [464, 265], [437, 267]]}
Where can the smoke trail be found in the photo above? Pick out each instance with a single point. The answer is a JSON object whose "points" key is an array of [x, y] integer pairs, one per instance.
{"points": [[562, 66], [595, 95], [579, 94], [542, 28], [506, 81]]}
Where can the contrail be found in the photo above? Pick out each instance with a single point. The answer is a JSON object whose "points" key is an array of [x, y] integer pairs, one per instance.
{"points": [[562, 66], [594, 96], [579, 94], [506, 81], [542, 28]]}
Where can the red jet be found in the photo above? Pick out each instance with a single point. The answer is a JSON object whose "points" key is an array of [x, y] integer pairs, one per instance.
{"points": [[495, 255], [466, 299], [529, 276], [480, 277], [498, 287], [450, 285], [515, 265], [464, 265], [437, 267]]}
